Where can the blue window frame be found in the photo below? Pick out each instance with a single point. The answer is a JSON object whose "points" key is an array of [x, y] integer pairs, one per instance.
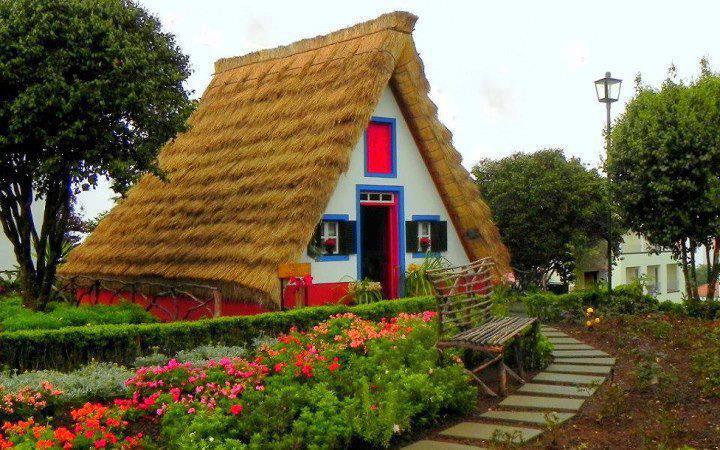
{"points": [[393, 146], [334, 218], [425, 218]]}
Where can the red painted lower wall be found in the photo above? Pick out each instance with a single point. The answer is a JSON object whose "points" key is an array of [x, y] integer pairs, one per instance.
{"points": [[317, 294], [166, 308]]}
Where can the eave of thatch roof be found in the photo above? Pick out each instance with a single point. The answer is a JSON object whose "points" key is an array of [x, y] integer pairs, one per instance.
{"points": [[270, 137]]}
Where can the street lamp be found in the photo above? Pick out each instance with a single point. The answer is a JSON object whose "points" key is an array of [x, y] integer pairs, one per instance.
{"points": [[608, 92]]}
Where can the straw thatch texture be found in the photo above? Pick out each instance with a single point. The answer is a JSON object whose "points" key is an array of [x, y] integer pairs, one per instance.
{"points": [[251, 178]]}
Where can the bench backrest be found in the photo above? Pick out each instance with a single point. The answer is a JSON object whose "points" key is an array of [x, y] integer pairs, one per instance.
{"points": [[463, 293]]}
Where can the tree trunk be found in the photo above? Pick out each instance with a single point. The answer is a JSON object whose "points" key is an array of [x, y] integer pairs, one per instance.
{"points": [[713, 268], [36, 274]]}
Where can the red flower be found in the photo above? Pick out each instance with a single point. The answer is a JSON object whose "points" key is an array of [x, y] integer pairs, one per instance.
{"points": [[100, 443], [62, 434], [279, 367], [334, 366], [307, 371], [425, 241], [236, 409]]}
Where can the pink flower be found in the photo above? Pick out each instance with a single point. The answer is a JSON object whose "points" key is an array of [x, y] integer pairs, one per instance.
{"points": [[191, 411]]}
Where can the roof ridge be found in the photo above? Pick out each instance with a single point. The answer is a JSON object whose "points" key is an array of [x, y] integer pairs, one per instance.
{"points": [[401, 21]]}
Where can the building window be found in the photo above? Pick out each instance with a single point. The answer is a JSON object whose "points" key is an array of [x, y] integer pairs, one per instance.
{"points": [[672, 278], [329, 238], [424, 237], [334, 239], [425, 234], [632, 274], [380, 152], [653, 281]]}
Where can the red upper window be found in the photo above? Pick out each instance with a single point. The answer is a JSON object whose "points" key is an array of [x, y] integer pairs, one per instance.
{"points": [[379, 158]]}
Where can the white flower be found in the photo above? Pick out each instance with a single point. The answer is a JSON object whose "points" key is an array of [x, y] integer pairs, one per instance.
{"points": [[396, 428], [211, 439]]}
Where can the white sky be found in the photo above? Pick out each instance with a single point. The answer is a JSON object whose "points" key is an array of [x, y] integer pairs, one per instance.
{"points": [[507, 76]]}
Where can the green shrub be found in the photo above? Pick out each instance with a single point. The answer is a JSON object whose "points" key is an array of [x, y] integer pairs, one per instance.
{"points": [[669, 306], [416, 283], [15, 317], [71, 347], [536, 350], [706, 365], [625, 299], [95, 382]]}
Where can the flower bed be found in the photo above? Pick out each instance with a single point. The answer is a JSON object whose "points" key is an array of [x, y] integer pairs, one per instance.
{"points": [[345, 381], [72, 347]]}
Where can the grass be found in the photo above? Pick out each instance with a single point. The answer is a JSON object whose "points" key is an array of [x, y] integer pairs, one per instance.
{"points": [[15, 317]]}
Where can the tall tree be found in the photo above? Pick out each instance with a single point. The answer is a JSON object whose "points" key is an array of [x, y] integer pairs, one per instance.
{"points": [[549, 209], [665, 167], [88, 88]]}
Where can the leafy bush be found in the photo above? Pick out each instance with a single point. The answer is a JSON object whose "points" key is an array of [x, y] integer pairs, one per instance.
{"points": [[416, 283], [94, 382], [625, 299], [16, 317], [71, 347], [536, 350], [347, 381]]}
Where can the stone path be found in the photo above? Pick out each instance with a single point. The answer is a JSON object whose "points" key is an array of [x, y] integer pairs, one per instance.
{"points": [[552, 396]]}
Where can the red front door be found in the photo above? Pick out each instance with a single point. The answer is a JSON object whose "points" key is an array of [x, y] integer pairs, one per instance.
{"points": [[379, 252]]}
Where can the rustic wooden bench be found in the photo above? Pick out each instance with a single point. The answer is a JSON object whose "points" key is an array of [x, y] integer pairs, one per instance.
{"points": [[465, 319]]}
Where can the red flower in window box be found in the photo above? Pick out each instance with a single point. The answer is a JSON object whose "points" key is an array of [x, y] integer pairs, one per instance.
{"points": [[329, 244], [425, 243]]}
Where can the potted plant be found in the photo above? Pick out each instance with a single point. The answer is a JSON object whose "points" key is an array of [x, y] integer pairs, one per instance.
{"points": [[425, 244], [329, 245]]}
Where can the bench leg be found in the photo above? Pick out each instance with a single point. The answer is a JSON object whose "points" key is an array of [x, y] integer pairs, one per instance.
{"points": [[502, 372], [484, 386], [519, 361]]}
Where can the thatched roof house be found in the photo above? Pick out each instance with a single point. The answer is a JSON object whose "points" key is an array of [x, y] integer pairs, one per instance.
{"points": [[270, 141]]}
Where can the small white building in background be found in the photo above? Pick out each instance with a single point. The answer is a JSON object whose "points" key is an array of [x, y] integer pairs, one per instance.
{"points": [[660, 272]]}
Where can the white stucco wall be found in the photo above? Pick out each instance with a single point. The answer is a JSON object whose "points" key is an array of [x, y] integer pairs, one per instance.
{"points": [[420, 195]]}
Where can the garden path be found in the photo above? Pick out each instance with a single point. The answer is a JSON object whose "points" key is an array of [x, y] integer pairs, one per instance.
{"points": [[550, 398]]}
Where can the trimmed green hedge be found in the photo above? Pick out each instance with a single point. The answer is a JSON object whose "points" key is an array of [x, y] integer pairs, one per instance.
{"points": [[626, 299], [70, 347]]}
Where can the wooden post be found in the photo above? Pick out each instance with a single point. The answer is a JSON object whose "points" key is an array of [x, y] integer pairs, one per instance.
{"points": [[217, 303], [503, 378], [519, 357], [299, 296]]}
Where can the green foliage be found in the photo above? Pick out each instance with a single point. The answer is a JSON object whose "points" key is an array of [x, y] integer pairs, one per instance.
{"points": [[202, 354], [365, 291], [14, 316], [396, 385], [549, 209], [665, 161], [416, 283], [627, 299], [71, 347], [95, 382], [90, 89], [536, 350]]}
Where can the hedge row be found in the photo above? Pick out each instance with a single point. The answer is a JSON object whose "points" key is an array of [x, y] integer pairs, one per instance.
{"points": [[626, 299], [71, 347]]}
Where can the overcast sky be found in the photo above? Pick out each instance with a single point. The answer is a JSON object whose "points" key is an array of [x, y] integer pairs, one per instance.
{"points": [[507, 76]]}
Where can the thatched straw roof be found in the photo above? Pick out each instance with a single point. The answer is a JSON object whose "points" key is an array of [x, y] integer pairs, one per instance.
{"points": [[270, 137]]}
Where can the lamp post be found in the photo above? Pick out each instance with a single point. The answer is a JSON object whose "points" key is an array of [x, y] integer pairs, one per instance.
{"points": [[608, 92]]}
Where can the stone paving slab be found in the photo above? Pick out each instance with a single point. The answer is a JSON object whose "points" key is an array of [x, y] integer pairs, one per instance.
{"points": [[564, 340], [554, 334], [438, 445], [486, 432], [573, 368], [546, 403], [592, 361], [568, 378], [569, 353], [553, 389], [528, 416], [547, 328], [572, 346]]}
